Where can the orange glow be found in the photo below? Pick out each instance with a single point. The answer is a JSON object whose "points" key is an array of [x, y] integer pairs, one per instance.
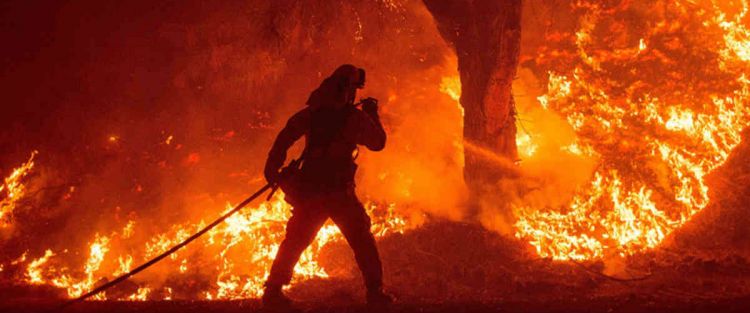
{"points": [[13, 190], [243, 249], [634, 161], [655, 153]]}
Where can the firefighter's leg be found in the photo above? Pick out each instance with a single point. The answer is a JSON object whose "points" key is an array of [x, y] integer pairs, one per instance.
{"points": [[300, 232], [351, 218]]}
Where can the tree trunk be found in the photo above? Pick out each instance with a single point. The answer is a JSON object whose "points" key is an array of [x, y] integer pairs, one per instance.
{"points": [[486, 35]]}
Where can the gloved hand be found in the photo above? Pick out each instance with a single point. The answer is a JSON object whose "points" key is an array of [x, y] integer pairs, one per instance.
{"points": [[272, 176], [370, 106]]}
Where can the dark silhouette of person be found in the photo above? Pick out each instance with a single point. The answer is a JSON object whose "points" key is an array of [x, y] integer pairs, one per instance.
{"points": [[333, 127]]}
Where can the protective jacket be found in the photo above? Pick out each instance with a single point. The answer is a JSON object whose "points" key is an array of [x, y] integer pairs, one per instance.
{"points": [[324, 188], [331, 139]]}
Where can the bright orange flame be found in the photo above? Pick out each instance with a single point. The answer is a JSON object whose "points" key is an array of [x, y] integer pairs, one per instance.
{"points": [[243, 249], [13, 190], [655, 154], [33, 271]]}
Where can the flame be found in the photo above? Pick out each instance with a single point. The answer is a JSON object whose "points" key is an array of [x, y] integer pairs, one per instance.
{"points": [[242, 249], [736, 34], [451, 86], [13, 190], [33, 271], [526, 146], [97, 251], [655, 151], [140, 295]]}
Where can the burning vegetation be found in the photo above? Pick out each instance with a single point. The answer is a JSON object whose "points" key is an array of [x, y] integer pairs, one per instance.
{"points": [[661, 108], [595, 142]]}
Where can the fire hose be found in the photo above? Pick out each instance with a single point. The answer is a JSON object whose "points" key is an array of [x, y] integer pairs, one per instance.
{"points": [[153, 261]]}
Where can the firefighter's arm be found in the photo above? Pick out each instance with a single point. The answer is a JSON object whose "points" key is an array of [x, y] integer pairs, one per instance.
{"points": [[294, 129], [371, 134]]}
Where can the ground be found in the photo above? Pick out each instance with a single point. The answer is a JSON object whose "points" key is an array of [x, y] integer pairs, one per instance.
{"points": [[433, 269]]}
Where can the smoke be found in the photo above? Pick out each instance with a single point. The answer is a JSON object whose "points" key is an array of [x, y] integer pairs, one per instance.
{"points": [[421, 167], [551, 158], [154, 115], [551, 163]]}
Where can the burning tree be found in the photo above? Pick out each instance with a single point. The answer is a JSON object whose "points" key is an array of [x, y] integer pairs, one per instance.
{"points": [[486, 35]]}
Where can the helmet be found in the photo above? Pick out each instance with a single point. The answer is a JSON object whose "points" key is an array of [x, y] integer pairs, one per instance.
{"points": [[335, 87], [349, 75]]}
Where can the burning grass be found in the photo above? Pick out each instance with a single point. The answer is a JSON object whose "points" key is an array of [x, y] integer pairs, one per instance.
{"points": [[656, 128], [237, 254], [12, 190]]}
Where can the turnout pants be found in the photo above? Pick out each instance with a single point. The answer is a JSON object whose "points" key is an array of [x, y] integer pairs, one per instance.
{"points": [[308, 217]]}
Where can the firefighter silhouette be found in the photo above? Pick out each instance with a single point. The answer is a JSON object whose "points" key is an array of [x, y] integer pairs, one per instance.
{"points": [[323, 187]]}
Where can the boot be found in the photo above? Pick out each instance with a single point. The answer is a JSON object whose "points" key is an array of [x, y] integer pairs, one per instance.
{"points": [[378, 298], [274, 298]]}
